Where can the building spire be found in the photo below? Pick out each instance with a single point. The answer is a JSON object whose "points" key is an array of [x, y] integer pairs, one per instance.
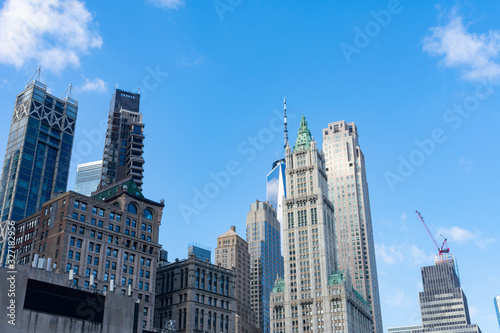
{"points": [[286, 125], [304, 135]]}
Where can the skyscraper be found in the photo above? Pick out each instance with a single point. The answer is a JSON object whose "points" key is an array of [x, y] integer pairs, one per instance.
{"points": [[443, 304], [38, 153], [497, 307], [122, 157], [266, 262], [276, 191], [348, 191], [314, 296], [88, 176], [232, 253]]}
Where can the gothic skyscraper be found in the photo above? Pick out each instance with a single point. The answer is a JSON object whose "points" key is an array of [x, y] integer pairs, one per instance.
{"points": [[348, 191], [313, 296]]}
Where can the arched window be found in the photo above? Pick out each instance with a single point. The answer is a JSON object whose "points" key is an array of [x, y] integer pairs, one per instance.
{"points": [[148, 214], [132, 208]]}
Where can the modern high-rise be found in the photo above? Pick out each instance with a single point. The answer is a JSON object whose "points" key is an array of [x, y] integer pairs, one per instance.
{"points": [[443, 304], [276, 190], [38, 153], [200, 251], [123, 149], [313, 296], [497, 307], [88, 176], [266, 262], [232, 253], [348, 191]]}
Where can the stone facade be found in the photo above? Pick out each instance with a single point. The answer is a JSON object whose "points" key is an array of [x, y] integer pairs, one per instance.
{"points": [[197, 295]]}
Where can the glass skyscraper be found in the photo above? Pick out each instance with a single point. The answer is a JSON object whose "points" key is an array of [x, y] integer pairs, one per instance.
{"points": [[88, 176], [276, 191], [266, 262], [38, 153], [201, 252]]}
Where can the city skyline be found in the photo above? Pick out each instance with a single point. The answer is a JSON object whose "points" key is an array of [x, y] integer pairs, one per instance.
{"points": [[209, 83]]}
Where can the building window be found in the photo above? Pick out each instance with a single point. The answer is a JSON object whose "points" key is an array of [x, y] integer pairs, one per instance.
{"points": [[132, 208], [148, 214]]}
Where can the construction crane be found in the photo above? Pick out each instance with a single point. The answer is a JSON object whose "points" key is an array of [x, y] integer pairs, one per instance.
{"points": [[441, 249]]}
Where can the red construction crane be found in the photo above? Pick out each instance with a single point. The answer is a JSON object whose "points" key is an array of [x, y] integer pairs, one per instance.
{"points": [[440, 249]]}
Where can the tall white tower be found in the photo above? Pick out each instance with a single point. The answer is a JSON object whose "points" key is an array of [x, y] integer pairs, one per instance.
{"points": [[348, 191]]}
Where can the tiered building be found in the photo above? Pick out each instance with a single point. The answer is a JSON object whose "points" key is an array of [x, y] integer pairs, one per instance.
{"points": [[266, 262], [124, 143], [232, 253], [313, 296], [193, 295], [109, 241], [348, 191]]}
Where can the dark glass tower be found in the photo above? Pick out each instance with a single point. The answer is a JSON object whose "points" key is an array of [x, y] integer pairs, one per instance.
{"points": [[38, 153], [123, 149]]}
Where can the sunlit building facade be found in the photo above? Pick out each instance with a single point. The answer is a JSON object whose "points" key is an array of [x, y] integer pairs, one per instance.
{"points": [[276, 189], [88, 176]]}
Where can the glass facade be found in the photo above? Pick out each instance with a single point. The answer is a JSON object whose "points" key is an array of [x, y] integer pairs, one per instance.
{"points": [[38, 153], [497, 308], [201, 252], [276, 190], [88, 176], [266, 262]]}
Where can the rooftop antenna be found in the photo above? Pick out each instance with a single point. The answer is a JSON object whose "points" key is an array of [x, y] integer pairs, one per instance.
{"points": [[37, 77], [286, 128], [69, 95]]}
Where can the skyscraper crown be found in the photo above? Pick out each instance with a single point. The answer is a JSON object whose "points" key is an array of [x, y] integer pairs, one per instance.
{"points": [[303, 136]]}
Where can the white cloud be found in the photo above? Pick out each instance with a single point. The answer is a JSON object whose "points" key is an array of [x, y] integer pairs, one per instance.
{"points": [[397, 298], [410, 253], [465, 165], [474, 53], [403, 216], [54, 33], [460, 235], [95, 84], [171, 4]]}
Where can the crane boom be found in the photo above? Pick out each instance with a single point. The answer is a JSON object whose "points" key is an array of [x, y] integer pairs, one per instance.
{"points": [[440, 249]]}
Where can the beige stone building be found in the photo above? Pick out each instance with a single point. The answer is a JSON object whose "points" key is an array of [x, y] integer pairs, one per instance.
{"points": [[313, 296], [232, 253], [348, 191]]}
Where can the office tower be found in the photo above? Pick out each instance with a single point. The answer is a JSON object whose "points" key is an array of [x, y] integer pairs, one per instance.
{"points": [[276, 191], [88, 176], [196, 296], [313, 296], [497, 307], [348, 191], [108, 241], [443, 304], [404, 329], [232, 253], [200, 251], [124, 145], [266, 262], [38, 153]]}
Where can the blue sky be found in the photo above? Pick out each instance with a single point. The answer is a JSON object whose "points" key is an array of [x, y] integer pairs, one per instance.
{"points": [[420, 80]]}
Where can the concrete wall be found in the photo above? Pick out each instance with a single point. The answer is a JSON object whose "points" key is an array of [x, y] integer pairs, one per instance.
{"points": [[118, 309]]}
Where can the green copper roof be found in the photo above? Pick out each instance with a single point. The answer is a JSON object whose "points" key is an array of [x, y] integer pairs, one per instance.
{"points": [[279, 286], [303, 136], [108, 193], [336, 278]]}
